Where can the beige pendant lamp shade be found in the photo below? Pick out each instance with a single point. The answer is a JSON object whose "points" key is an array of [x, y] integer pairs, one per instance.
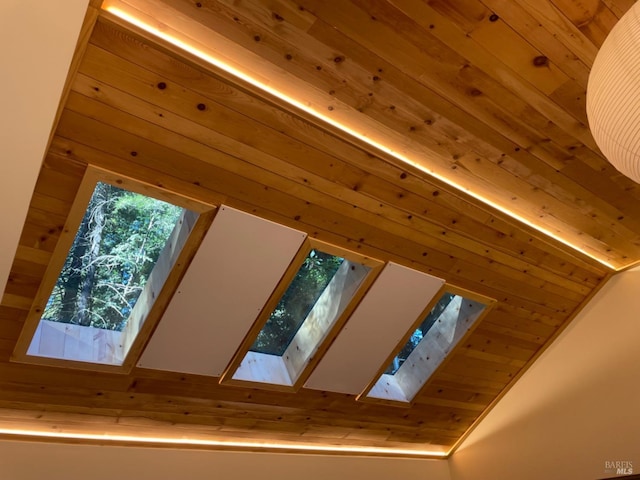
{"points": [[613, 95]]}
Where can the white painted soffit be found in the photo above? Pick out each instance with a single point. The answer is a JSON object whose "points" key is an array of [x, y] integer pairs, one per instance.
{"points": [[37, 41]]}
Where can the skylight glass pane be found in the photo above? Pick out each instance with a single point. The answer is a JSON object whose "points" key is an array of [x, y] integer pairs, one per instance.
{"points": [[419, 334], [310, 282], [119, 241], [319, 296]]}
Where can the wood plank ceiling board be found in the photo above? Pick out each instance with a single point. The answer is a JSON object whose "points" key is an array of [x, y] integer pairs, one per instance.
{"points": [[383, 317], [237, 266], [440, 81], [525, 127]]}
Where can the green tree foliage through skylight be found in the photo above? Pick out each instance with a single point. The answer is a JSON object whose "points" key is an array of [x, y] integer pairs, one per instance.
{"points": [[419, 333], [293, 308], [115, 249]]}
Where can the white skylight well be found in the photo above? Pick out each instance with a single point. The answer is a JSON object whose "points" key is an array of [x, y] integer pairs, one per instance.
{"points": [[309, 306], [440, 329], [105, 278]]}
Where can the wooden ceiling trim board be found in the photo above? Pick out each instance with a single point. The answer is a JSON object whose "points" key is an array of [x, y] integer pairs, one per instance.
{"points": [[483, 369], [614, 188], [527, 316], [601, 25], [459, 241], [23, 375], [561, 27], [583, 193], [24, 265], [49, 203], [16, 301], [205, 412], [482, 344], [428, 123], [502, 331], [432, 353], [60, 180], [532, 329], [442, 69], [261, 156], [51, 197], [21, 285], [619, 7], [126, 149], [63, 149], [167, 72], [572, 97], [104, 160], [307, 348], [457, 389], [478, 384], [34, 235], [439, 395]]}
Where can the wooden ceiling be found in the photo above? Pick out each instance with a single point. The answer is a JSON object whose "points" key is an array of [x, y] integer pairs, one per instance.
{"points": [[489, 92]]}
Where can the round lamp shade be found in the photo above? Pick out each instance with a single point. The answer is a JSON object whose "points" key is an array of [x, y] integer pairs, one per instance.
{"points": [[613, 95]]}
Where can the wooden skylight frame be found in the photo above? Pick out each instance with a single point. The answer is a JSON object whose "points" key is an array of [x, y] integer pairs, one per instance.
{"points": [[147, 311], [430, 354], [275, 372]]}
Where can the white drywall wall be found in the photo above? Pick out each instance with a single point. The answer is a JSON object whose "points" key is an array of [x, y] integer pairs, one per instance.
{"points": [[37, 40], [36, 461], [576, 408]]}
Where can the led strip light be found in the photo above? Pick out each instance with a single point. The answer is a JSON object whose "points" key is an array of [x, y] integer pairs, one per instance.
{"points": [[220, 443], [114, 7]]}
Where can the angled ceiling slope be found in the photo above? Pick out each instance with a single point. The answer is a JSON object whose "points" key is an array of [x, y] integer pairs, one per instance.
{"points": [[492, 99], [221, 37]]}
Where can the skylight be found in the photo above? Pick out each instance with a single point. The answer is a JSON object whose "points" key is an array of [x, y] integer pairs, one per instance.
{"points": [[439, 331], [313, 301], [299, 300], [123, 251]]}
